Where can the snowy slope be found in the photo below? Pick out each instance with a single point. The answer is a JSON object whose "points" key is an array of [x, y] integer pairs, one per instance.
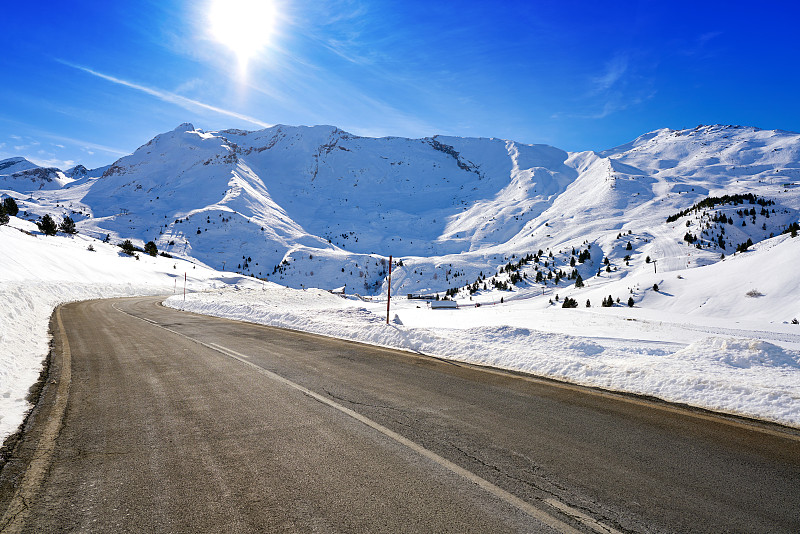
{"points": [[316, 206], [12, 165], [34, 179]]}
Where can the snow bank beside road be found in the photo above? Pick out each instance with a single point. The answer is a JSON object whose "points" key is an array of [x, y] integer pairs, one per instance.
{"points": [[38, 273], [734, 375], [24, 335]]}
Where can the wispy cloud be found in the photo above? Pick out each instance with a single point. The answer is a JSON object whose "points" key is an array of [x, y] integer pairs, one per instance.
{"points": [[613, 73], [51, 153], [612, 104], [86, 145], [166, 96], [700, 45], [190, 85], [619, 86], [49, 160]]}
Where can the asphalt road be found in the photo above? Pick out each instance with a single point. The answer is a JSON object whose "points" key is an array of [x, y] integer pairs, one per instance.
{"points": [[154, 420]]}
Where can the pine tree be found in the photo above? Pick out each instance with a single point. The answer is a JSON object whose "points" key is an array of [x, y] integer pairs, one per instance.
{"points": [[10, 207], [579, 281], [150, 248], [4, 218], [127, 247], [47, 225], [630, 302], [588, 303], [67, 225]]}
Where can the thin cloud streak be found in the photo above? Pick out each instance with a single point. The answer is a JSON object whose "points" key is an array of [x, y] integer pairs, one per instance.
{"points": [[615, 69], [171, 98], [86, 145]]}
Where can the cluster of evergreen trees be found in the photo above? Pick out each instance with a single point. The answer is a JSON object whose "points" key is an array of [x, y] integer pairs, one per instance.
{"points": [[712, 202], [150, 249], [570, 302], [512, 269], [47, 225], [8, 209], [744, 246]]}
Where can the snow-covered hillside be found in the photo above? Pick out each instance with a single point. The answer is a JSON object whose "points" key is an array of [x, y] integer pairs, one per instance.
{"points": [[316, 206]]}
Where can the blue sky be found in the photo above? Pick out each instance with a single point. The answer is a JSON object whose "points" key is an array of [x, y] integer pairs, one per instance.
{"points": [[87, 82]]}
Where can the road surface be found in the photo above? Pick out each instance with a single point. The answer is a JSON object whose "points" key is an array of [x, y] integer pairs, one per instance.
{"points": [[155, 420]]}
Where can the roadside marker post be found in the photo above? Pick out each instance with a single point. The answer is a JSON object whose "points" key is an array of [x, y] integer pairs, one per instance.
{"points": [[389, 291]]}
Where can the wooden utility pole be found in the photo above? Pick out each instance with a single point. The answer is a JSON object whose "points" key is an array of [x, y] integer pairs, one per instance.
{"points": [[389, 291]]}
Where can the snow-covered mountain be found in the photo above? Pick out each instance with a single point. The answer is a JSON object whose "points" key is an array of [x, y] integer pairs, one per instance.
{"points": [[12, 165], [317, 206], [20, 174]]}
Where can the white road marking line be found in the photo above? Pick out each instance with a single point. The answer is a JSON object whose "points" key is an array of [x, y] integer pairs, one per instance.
{"points": [[581, 517], [515, 501]]}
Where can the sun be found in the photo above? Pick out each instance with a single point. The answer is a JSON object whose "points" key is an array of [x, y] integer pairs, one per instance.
{"points": [[244, 26]]}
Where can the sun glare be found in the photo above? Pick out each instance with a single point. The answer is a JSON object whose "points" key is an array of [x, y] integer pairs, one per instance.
{"points": [[244, 26]]}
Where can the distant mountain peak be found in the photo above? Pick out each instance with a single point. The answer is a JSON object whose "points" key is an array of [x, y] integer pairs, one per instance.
{"points": [[16, 164], [76, 172], [184, 127]]}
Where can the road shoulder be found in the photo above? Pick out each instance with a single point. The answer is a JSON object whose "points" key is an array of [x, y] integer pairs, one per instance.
{"points": [[27, 451]]}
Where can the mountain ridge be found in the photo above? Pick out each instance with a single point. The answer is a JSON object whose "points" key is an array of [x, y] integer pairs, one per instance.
{"points": [[319, 206]]}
